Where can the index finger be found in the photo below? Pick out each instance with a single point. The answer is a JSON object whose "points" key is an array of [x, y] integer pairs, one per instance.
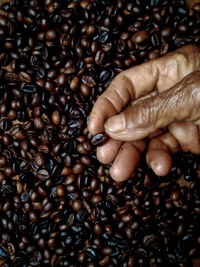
{"points": [[125, 87]]}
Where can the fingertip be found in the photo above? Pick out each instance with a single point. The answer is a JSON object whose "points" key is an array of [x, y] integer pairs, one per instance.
{"points": [[107, 152], [160, 161], [94, 125], [101, 156], [125, 162], [118, 175], [91, 127]]}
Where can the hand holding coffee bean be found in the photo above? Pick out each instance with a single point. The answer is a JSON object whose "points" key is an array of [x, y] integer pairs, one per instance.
{"points": [[157, 101]]}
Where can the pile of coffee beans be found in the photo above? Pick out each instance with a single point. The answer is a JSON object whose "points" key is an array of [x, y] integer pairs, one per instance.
{"points": [[58, 204]]}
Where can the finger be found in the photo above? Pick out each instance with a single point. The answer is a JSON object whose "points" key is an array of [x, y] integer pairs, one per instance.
{"points": [[165, 141], [158, 153], [160, 161], [181, 102], [123, 89], [126, 160], [107, 152], [135, 82], [187, 135]]}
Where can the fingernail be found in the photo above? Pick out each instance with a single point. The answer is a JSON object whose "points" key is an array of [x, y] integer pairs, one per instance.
{"points": [[116, 124]]}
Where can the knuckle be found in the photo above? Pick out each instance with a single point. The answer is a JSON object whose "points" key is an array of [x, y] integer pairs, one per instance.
{"points": [[192, 87], [146, 115]]}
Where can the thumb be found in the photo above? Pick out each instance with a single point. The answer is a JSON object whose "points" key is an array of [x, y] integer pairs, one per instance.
{"points": [[179, 103]]}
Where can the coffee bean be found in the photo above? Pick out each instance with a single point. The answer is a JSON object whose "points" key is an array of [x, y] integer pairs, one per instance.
{"points": [[24, 77], [74, 83], [39, 159], [140, 37], [51, 34], [33, 216], [8, 171], [60, 190], [30, 88], [98, 229], [90, 30], [39, 123], [78, 168], [98, 139], [70, 179], [107, 251], [88, 81], [175, 195], [43, 174], [56, 117], [165, 32], [96, 199], [3, 108], [76, 205], [62, 79], [85, 90]]}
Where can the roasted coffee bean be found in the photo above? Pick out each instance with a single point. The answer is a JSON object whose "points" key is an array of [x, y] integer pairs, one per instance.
{"points": [[8, 171], [175, 195], [78, 168], [24, 77], [140, 36], [88, 80], [76, 205], [60, 190], [56, 117], [96, 199], [85, 90], [98, 139], [30, 88], [33, 216], [74, 83], [62, 79], [51, 34], [39, 159], [39, 123], [43, 175]]}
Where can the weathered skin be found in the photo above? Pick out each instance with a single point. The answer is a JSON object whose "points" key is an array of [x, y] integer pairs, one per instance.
{"points": [[156, 104]]}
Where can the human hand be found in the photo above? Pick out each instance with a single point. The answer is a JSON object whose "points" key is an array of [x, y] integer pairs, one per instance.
{"points": [[153, 98]]}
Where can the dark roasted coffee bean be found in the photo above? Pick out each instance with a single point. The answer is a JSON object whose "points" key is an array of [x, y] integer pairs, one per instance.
{"points": [[24, 77], [43, 175], [88, 80], [60, 190], [175, 195], [8, 171], [39, 159], [39, 123], [76, 205], [98, 139], [78, 168], [30, 88], [165, 32], [62, 79], [85, 90], [140, 37], [96, 199], [51, 34], [33, 216], [56, 117]]}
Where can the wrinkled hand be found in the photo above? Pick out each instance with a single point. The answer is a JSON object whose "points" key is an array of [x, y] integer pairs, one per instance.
{"points": [[159, 102]]}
